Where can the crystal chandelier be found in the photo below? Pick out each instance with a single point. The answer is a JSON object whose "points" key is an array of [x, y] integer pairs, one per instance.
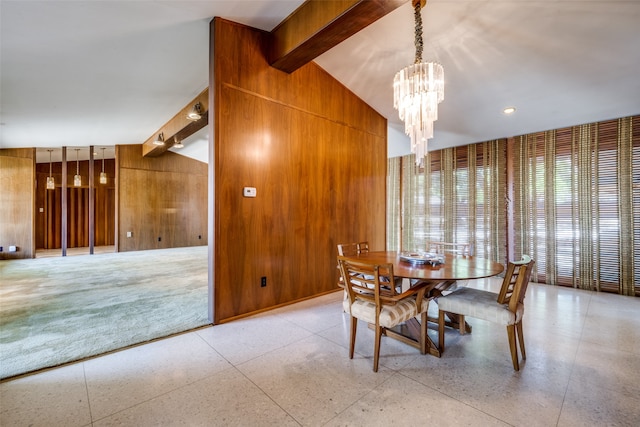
{"points": [[417, 91]]}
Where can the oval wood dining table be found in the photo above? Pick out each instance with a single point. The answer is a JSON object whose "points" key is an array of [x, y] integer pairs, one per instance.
{"points": [[440, 278]]}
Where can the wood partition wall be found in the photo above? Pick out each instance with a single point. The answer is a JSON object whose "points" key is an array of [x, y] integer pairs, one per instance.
{"points": [[162, 201], [316, 155], [17, 194]]}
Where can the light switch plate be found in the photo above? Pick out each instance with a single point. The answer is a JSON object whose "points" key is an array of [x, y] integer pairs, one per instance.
{"points": [[249, 192]]}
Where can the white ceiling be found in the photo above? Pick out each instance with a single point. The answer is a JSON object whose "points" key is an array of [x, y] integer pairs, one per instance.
{"points": [[112, 72]]}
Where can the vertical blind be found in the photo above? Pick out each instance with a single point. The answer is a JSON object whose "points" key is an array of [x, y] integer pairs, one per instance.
{"points": [[574, 203]]}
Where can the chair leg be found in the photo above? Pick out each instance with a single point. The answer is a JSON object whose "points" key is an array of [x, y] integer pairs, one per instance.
{"points": [[423, 333], [352, 343], [521, 339], [376, 348], [511, 332], [462, 326], [441, 331]]}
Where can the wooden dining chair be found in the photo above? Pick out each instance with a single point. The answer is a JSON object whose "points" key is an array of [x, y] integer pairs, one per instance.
{"points": [[447, 247], [505, 308], [371, 299]]}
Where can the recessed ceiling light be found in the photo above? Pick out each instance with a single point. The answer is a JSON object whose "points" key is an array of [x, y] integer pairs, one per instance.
{"points": [[509, 110]]}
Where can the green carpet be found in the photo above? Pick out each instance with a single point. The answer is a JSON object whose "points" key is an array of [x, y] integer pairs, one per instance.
{"points": [[57, 310]]}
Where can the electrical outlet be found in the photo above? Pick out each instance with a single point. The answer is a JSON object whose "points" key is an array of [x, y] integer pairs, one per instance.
{"points": [[263, 281]]}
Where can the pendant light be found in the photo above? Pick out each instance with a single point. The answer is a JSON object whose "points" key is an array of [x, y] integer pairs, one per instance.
{"points": [[417, 91], [103, 174], [77, 179], [51, 182]]}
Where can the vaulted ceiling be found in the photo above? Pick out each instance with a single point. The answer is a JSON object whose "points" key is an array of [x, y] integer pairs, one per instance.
{"points": [[113, 72]]}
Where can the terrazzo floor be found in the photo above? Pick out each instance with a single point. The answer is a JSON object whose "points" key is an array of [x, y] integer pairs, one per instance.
{"points": [[290, 366]]}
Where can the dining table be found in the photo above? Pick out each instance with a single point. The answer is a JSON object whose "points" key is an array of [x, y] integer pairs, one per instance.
{"points": [[439, 276]]}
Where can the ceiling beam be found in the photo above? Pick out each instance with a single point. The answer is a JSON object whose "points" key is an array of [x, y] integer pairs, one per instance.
{"points": [[318, 25], [178, 127]]}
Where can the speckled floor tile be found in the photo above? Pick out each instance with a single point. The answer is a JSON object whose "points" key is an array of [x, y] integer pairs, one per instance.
{"points": [[587, 404], [401, 401], [226, 398], [622, 373], [53, 398], [245, 339], [313, 379], [124, 379]]}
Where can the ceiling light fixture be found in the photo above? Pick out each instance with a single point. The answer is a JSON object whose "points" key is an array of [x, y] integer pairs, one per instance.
{"points": [[77, 179], [51, 182], [196, 112], [159, 140], [103, 174], [509, 110], [177, 143], [417, 91]]}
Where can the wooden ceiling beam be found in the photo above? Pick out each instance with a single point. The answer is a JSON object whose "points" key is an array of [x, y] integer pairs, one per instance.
{"points": [[318, 25], [179, 126]]}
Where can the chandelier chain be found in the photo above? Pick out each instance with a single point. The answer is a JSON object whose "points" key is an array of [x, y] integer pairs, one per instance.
{"points": [[418, 33]]}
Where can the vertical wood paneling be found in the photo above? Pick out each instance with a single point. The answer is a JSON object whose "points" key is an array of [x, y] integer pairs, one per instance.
{"points": [[162, 200], [317, 156], [17, 200]]}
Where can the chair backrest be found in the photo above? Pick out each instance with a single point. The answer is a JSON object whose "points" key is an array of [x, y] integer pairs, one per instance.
{"points": [[363, 247], [516, 280], [368, 281], [444, 247], [348, 249]]}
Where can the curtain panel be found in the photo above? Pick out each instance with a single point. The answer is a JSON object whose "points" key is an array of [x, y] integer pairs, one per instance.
{"points": [[578, 203], [458, 196], [569, 197]]}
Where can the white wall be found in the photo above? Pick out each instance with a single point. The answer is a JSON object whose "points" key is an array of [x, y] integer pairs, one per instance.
{"points": [[398, 143]]}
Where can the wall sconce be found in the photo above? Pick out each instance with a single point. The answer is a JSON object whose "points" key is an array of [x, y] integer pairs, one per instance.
{"points": [[77, 179], [51, 182], [177, 143], [196, 112], [159, 140], [103, 174]]}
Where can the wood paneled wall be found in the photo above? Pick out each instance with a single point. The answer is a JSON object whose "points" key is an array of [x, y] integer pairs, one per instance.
{"points": [[162, 200], [17, 199], [316, 155], [49, 206]]}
